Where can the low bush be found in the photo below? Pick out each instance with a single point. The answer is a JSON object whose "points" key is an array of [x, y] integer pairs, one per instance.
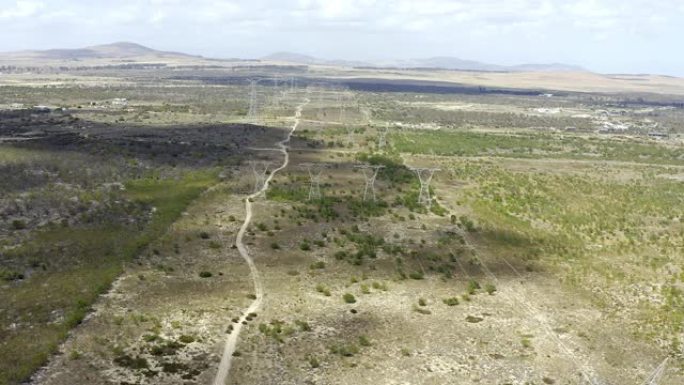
{"points": [[417, 275], [18, 224], [323, 290], [452, 301], [344, 350]]}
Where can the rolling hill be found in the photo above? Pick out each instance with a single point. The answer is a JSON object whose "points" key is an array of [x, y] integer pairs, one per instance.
{"points": [[120, 50], [438, 62]]}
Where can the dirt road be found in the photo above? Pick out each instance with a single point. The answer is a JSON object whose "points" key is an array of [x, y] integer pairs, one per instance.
{"points": [[231, 342]]}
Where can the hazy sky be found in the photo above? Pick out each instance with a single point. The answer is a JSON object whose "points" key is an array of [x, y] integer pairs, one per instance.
{"points": [[602, 35]]}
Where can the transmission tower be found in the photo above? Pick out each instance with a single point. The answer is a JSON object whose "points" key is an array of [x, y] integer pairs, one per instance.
{"points": [[252, 113], [260, 169], [370, 172], [342, 101], [350, 135], [315, 171], [657, 374], [425, 176], [382, 138], [341, 118]]}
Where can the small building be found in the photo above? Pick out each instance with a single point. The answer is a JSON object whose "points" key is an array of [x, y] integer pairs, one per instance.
{"points": [[42, 109], [119, 102]]}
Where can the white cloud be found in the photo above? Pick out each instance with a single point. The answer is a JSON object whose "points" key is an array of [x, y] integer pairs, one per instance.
{"points": [[21, 9], [523, 29]]}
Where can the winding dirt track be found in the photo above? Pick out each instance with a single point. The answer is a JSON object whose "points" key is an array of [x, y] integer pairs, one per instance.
{"points": [[231, 342]]}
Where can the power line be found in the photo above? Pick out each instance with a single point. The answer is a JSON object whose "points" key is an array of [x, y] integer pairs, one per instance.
{"points": [[657, 374]]}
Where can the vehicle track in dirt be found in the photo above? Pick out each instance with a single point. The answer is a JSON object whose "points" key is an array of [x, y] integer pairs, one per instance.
{"points": [[232, 340]]}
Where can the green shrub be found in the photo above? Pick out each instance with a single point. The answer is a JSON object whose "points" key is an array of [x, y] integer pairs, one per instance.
{"points": [[186, 339], [344, 350], [127, 361], [174, 367], [349, 298], [452, 301], [18, 224], [10, 275], [317, 265], [467, 223], [276, 329], [204, 235], [416, 275], [364, 341], [313, 361], [490, 288], [323, 290], [303, 326], [526, 342], [205, 274], [473, 286]]}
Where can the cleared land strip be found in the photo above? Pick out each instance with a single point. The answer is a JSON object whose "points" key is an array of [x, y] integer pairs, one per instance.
{"points": [[231, 342]]}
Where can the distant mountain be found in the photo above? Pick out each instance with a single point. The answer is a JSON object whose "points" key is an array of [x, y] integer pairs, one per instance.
{"points": [[133, 51], [450, 63], [439, 62], [121, 50], [291, 57], [553, 67]]}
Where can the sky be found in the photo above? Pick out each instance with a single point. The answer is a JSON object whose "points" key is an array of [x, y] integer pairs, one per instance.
{"points": [[608, 36]]}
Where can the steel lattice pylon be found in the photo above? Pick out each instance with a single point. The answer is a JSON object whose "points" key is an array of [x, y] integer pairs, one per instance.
{"points": [[252, 113], [315, 171], [382, 137], [425, 177], [260, 169], [370, 172]]}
